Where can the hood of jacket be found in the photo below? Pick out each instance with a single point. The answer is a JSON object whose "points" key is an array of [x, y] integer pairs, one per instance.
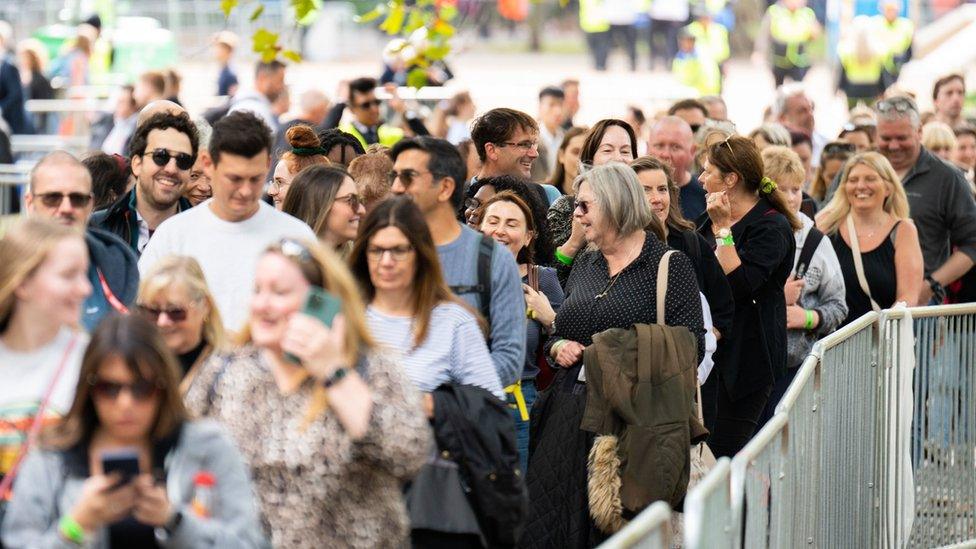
{"points": [[117, 262]]}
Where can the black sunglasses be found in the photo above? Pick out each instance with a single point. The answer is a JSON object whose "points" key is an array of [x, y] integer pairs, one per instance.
{"points": [[406, 176], [584, 206], [161, 157], [53, 200], [139, 390], [368, 104], [153, 314], [839, 148]]}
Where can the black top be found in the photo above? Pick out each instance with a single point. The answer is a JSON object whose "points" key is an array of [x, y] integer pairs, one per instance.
{"points": [[189, 358], [753, 355], [879, 270], [692, 197], [711, 279]]}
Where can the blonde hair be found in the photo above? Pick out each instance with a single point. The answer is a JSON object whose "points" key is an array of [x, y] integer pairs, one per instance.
{"points": [[26, 244], [839, 206], [938, 135], [781, 162], [184, 271]]}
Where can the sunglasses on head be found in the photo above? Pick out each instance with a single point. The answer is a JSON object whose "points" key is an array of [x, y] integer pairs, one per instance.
{"points": [[53, 200], [110, 390], [897, 104], [153, 314], [839, 148], [161, 158]]}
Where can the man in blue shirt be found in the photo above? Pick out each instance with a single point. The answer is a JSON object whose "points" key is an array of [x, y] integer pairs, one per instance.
{"points": [[672, 142]]}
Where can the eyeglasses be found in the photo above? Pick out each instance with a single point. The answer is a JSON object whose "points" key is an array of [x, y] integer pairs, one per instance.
{"points": [[695, 127], [53, 200], [472, 203], [839, 149], [368, 104], [141, 390], [175, 314], [584, 206], [406, 176], [521, 145], [398, 253], [353, 200], [897, 104], [161, 158]]}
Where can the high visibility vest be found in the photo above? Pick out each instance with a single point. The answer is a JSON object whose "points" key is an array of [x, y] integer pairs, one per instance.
{"points": [[862, 72], [388, 135], [591, 16], [791, 31], [714, 39], [697, 71], [896, 38]]}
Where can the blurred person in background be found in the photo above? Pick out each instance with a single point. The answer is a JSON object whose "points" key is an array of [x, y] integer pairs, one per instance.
{"points": [[895, 35], [786, 32], [32, 63], [198, 187], [859, 135], [313, 106], [939, 139], [173, 81], [340, 147], [327, 199], [667, 18], [224, 44], [717, 109], [795, 110], [269, 84], [11, 87], [371, 172], [148, 88], [635, 117], [341, 425], [965, 152], [949, 97], [771, 133], [802, 145], [109, 175], [112, 132], [304, 150], [367, 125], [469, 153], [174, 296], [568, 159], [71, 66], [862, 65], [692, 111], [571, 101], [550, 127], [128, 398], [452, 118]]}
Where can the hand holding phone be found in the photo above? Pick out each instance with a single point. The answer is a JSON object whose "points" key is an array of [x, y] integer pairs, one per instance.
{"points": [[124, 461], [320, 305]]}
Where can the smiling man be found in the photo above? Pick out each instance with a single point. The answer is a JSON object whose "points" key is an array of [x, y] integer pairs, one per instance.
{"points": [[228, 233], [163, 150]]}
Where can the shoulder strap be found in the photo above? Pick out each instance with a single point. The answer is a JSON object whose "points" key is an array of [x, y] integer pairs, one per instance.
{"points": [[486, 250], [662, 285], [806, 254], [858, 263], [533, 276]]}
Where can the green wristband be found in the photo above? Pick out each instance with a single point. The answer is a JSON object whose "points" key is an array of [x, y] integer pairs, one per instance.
{"points": [[71, 530], [563, 258], [810, 319]]}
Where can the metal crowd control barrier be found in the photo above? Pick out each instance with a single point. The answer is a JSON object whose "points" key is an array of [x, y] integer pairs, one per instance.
{"points": [[651, 529]]}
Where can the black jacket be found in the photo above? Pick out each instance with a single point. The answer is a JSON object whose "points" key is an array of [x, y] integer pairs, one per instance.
{"points": [[754, 354], [118, 264], [711, 279], [120, 219]]}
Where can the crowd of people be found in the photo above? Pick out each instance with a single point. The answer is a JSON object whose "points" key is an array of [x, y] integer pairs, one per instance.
{"points": [[458, 329]]}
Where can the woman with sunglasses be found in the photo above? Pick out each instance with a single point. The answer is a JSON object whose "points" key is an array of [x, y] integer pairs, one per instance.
{"points": [[174, 296], [128, 401], [327, 200], [43, 284], [328, 421], [305, 149], [751, 225]]}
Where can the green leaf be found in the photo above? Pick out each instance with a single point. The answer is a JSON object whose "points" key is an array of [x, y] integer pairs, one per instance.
{"points": [[227, 6], [371, 15], [303, 8], [265, 42], [437, 53], [449, 12], [416, 20], [394, 21], [292, 55], [417, 78], [443, 29], [257, 12]]}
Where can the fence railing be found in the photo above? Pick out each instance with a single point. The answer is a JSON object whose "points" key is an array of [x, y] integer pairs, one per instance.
{"points": [[873, 445]]}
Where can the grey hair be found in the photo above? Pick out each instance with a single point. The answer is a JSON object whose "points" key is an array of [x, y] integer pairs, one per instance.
{"points": [[57, 158], [774, 133], [619, 195], [312, 99], [783, 94], [204, 131]]}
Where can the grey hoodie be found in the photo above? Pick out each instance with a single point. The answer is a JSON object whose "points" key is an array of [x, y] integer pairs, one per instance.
{"points": [[44, 492]]}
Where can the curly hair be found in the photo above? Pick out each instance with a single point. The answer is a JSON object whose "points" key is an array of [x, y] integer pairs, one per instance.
{"points": [[163, 121], [542, 247]]}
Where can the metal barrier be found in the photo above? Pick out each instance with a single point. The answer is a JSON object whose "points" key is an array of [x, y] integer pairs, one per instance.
{"points": [[651, 529]]}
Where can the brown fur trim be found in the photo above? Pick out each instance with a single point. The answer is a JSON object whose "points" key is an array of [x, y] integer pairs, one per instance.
{"points": [[604, 484]]}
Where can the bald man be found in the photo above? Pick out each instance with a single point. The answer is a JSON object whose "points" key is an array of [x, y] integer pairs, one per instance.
{"points": [[156, 107], [672, 142], [60, 188], [314, 107]]}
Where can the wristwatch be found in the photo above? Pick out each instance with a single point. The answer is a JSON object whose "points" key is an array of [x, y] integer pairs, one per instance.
{"points": [[938, 290], [724, 237], [166, 532]]}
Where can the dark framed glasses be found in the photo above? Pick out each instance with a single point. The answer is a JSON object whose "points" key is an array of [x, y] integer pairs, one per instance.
{"points": [[53, 200], [472, 203], [584, 206], [153, 314], [369, 103], [405, 176], [161, 157], [398, 253], [110, 390], [353, 200], [835, 148]]}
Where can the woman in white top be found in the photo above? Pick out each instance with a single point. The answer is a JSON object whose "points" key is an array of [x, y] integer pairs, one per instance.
{"points": [[411, 308], [43, 283]]}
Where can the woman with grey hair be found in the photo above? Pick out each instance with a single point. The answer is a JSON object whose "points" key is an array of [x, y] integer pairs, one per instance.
{"points": [[612, 285], [770, 134], [198, 189]]}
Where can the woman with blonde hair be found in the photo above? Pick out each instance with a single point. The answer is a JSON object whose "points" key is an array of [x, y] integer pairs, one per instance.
{"points": [[876, 242], [43, 284], [940, 140], [327, 420], [174, 296], [305, 149]]}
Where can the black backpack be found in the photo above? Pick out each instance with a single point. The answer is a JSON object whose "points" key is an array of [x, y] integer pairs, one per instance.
{"points": [[486, 250], [477, 431]]}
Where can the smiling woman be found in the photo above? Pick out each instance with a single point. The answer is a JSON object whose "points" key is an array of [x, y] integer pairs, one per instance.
{"points": [[326, 199]]}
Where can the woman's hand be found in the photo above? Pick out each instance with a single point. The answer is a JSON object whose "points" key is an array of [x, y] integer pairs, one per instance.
{"points": [[792, 290], [151, 505], [321, 349], [719, 210], [796, 318], [570, 353], [539, 303], [102, 503]]}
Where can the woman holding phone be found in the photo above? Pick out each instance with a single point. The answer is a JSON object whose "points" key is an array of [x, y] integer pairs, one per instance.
{"points": [[331, 438], [128, 403]]}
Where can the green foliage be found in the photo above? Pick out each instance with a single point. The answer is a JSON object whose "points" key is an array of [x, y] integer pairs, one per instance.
{"points": [[265, 43], [257, 12], [227, 6]]}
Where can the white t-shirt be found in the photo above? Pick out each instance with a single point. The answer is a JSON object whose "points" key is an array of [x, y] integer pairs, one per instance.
{"points": [[228, 252], [26, 379]]}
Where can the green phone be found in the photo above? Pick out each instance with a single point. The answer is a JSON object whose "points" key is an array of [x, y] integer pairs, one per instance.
{"points": [[322, 305]]}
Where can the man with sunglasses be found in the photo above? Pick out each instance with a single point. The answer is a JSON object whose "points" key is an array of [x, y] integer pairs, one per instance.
{"points": [[163, 150], [367, 124], [61, 189]]}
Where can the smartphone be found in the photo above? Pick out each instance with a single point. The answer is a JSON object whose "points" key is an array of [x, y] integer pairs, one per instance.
{"points": [[322, 305], [124, 461]]}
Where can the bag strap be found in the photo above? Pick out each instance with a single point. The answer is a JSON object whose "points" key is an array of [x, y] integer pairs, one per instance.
{"points": [[35, 429], [662, 285], [698, 403], [806, 254], [110, 296], [486, 250], [859, 263]]}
